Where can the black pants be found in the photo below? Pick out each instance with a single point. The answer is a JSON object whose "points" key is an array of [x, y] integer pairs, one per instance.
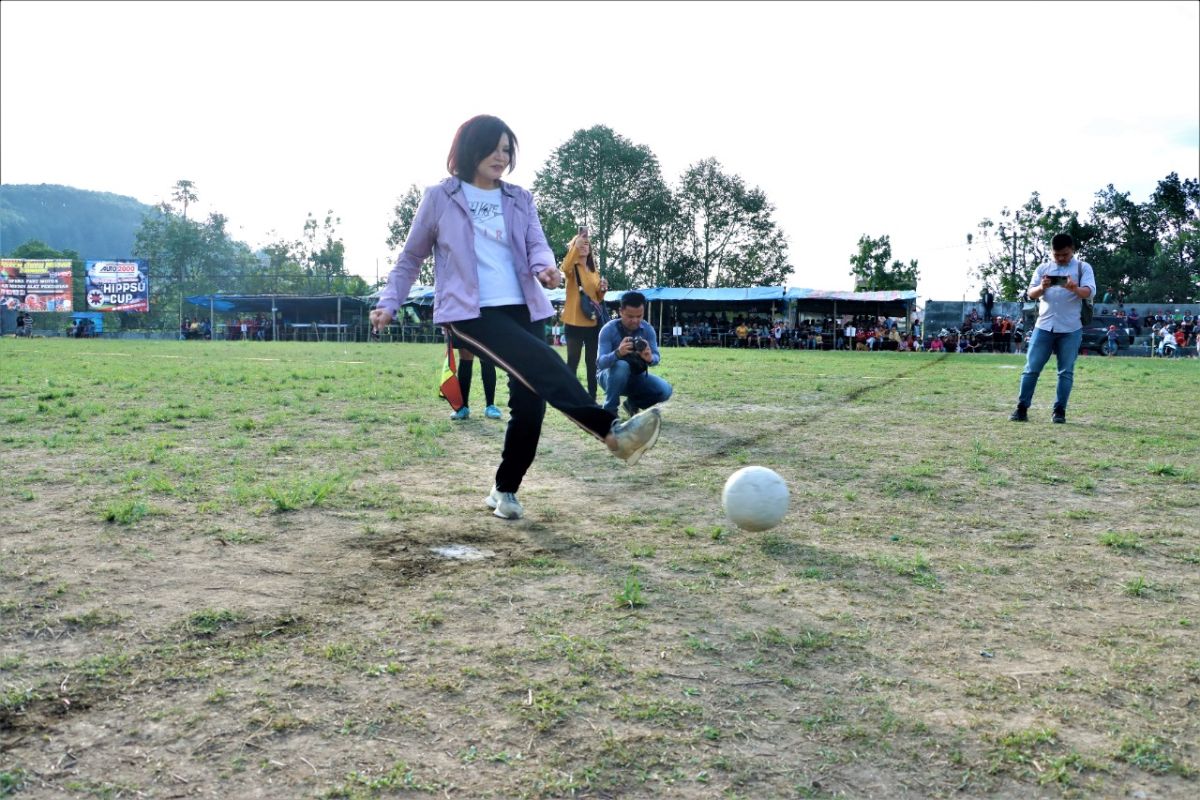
{"points": [[537, 375], [587, 339]]}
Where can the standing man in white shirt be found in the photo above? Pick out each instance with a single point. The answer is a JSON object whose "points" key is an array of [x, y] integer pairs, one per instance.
{"points": [[1061, 288]]}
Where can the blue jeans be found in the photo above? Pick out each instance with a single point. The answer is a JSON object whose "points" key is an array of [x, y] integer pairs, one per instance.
{"points": [[1065, 347], [643, 390]]}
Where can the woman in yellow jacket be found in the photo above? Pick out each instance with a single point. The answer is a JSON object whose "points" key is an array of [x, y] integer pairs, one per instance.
{"points": [[582, 333]]}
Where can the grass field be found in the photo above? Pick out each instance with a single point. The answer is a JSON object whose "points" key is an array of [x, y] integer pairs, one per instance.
{"points": [[217, 580]]}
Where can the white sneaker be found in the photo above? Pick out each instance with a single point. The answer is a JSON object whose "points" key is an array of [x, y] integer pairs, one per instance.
{"points": [[504, 504], [637, 434]]}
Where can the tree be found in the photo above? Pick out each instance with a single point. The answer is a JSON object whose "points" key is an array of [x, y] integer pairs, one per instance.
{"points": [[312, 264], [1174, 271], [185, 257], [402, 218], [728, 235], [1020, 241], [324, 254], [184, 193], [603, 180], [1146, 252], [871, 270]]}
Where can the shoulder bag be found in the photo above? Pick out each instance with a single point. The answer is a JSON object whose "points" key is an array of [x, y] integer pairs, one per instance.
{"points": [[587, 306], [1085, 313]]}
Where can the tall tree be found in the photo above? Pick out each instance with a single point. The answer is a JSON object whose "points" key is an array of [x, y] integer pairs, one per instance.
{"points": [[324, 254], [187, 257], [873, 273], [1145, 252], [402, 218], [184, 193], [729, 235], [603, 180], [312, 264], [1175, 268], [1019, 241]]}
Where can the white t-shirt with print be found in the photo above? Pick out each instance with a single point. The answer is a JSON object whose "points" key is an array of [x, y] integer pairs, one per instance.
{"points": [[498, 284]]}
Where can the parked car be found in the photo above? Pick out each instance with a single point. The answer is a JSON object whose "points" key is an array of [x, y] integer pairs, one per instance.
{"points": [[1095, 333]]}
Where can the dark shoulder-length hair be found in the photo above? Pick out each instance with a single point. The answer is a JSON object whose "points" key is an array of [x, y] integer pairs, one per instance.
{"points": [[474, 141]]}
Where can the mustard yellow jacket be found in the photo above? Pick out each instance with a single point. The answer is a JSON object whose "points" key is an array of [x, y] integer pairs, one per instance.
{"points": [[571, 315]]}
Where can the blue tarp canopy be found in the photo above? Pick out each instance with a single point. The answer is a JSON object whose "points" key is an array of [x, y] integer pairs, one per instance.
{"points": [[732, 294], [292, 308], [892, 303], [852, 297], [96, 317]]}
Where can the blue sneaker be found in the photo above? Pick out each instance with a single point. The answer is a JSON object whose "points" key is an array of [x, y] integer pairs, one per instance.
{"points": [[491, 412], [462, 413]]}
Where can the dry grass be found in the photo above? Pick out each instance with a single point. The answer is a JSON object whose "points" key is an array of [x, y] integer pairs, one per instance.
{"points": [[216, 579]]}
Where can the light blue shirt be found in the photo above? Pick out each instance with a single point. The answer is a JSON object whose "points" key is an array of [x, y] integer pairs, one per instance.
{"points": [[611, 336], [1059, 308]]}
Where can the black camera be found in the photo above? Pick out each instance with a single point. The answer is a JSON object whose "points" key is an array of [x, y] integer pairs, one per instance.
{"points": [[637, 364], [1057, 280]]}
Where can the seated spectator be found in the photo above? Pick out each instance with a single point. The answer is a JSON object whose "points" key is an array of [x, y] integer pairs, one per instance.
{"points": [[1166, 342], [936, 345]]}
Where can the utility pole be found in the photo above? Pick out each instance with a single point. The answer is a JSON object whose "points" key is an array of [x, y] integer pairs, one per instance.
{"points": [[1013, 275]]}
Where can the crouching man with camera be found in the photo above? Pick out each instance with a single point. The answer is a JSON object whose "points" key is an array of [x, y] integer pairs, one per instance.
{"points": [[628, 348]]}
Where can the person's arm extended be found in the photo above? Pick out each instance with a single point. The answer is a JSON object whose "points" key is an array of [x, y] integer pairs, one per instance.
{"points": [[610, 340], [652, 338], [417, 247]]}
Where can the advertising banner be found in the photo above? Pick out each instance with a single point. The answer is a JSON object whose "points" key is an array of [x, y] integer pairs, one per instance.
{"points": [[28, 284], [117, 286]]}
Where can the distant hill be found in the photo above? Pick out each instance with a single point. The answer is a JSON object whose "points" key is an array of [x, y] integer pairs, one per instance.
{"points": [[97, 225]]}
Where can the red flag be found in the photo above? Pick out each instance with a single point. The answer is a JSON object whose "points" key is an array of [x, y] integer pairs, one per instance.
{"points": [[448, 386]]}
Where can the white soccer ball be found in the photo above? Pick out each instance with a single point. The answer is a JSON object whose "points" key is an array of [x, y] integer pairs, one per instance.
{"points": [[755, 498]]}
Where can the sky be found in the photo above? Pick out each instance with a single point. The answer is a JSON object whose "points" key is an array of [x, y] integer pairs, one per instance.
{"points": [[908, 119]]}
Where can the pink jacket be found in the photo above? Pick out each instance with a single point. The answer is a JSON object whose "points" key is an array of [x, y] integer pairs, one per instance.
{"points": [[442, 225]]}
